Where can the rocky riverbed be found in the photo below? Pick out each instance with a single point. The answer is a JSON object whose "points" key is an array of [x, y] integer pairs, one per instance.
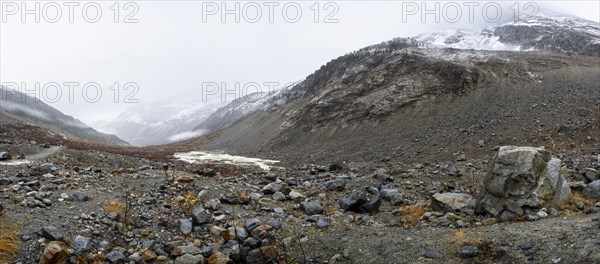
{"points": [[95, 207]]}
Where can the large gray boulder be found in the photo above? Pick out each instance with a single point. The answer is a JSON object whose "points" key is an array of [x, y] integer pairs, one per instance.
{"points": [[520, 178]]}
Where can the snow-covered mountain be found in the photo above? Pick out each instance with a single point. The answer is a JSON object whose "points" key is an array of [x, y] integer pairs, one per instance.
{"points": [[544, 33], [159, 122]]}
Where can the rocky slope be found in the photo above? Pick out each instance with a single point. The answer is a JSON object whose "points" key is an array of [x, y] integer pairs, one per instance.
{"points": [[425, 104], [96, 207], [433, 96], [16, 107]]}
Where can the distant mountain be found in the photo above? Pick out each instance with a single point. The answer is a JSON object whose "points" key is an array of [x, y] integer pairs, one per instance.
{"points": [[243, 106], [16, 107], [159, 123]]}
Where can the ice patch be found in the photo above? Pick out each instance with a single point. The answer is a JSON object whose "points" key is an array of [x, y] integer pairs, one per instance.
{"points": [[201, 156]]}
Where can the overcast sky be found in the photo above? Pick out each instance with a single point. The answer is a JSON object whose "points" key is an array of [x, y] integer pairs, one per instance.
{"points": [[172, 48]]}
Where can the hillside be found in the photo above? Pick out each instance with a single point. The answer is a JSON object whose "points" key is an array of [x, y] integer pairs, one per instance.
{"points": [[16, 107]]}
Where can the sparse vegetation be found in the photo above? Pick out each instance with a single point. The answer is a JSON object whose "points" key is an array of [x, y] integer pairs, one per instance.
{"points": [[9, 243]]}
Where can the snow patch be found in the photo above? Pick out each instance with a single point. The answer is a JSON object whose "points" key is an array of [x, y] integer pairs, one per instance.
{"points": [[202, 156]]}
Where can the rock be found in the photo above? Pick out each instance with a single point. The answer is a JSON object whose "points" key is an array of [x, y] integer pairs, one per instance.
{"points": [[522, 177], [432, 255], [468, 251], [51, 233], [182, 250], [382, 175], [507, 216], [336, 166], [239, 197], [279, 196], [200, 215], [592, 189], [591, 175], [296, 196], [185, 226], [188, 259], [212, 204], [5, 155], [80, 245], [461, 157], [360, 203], [577, 186], [271, 188], [56, 252], [451, 202], [1, 208], [185, 179], [336, 185], [311, 208], [251, 243], [116, 256], [353, 201], [322, 223], [266, 254], [252, 223], [80, 197], [452, 169], [218, 258], [148, 255], [372, 206]]}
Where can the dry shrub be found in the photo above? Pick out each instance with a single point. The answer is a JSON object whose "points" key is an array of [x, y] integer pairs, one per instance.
{"points": [[115, 206], [9, 243], [412, 213]]}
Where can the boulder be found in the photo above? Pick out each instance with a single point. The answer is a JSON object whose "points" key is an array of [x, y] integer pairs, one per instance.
{"points": [[592, 190], [56, 252], [450, 202], [522, 177]]}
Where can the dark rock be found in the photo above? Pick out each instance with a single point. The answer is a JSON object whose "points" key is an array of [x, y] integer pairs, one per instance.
{"points": [[336, 166], [507, 216], [591, 175], [526, 246], [271, 188], [252, 223], [311, 208], [200, 215], [5, 155], [51, 233], [593, 210], [592, 189], [251, 243], [353, 201], [432, 255], [80, 197], [382, 175], [372, 206], [336, 185], [468, 251]]}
